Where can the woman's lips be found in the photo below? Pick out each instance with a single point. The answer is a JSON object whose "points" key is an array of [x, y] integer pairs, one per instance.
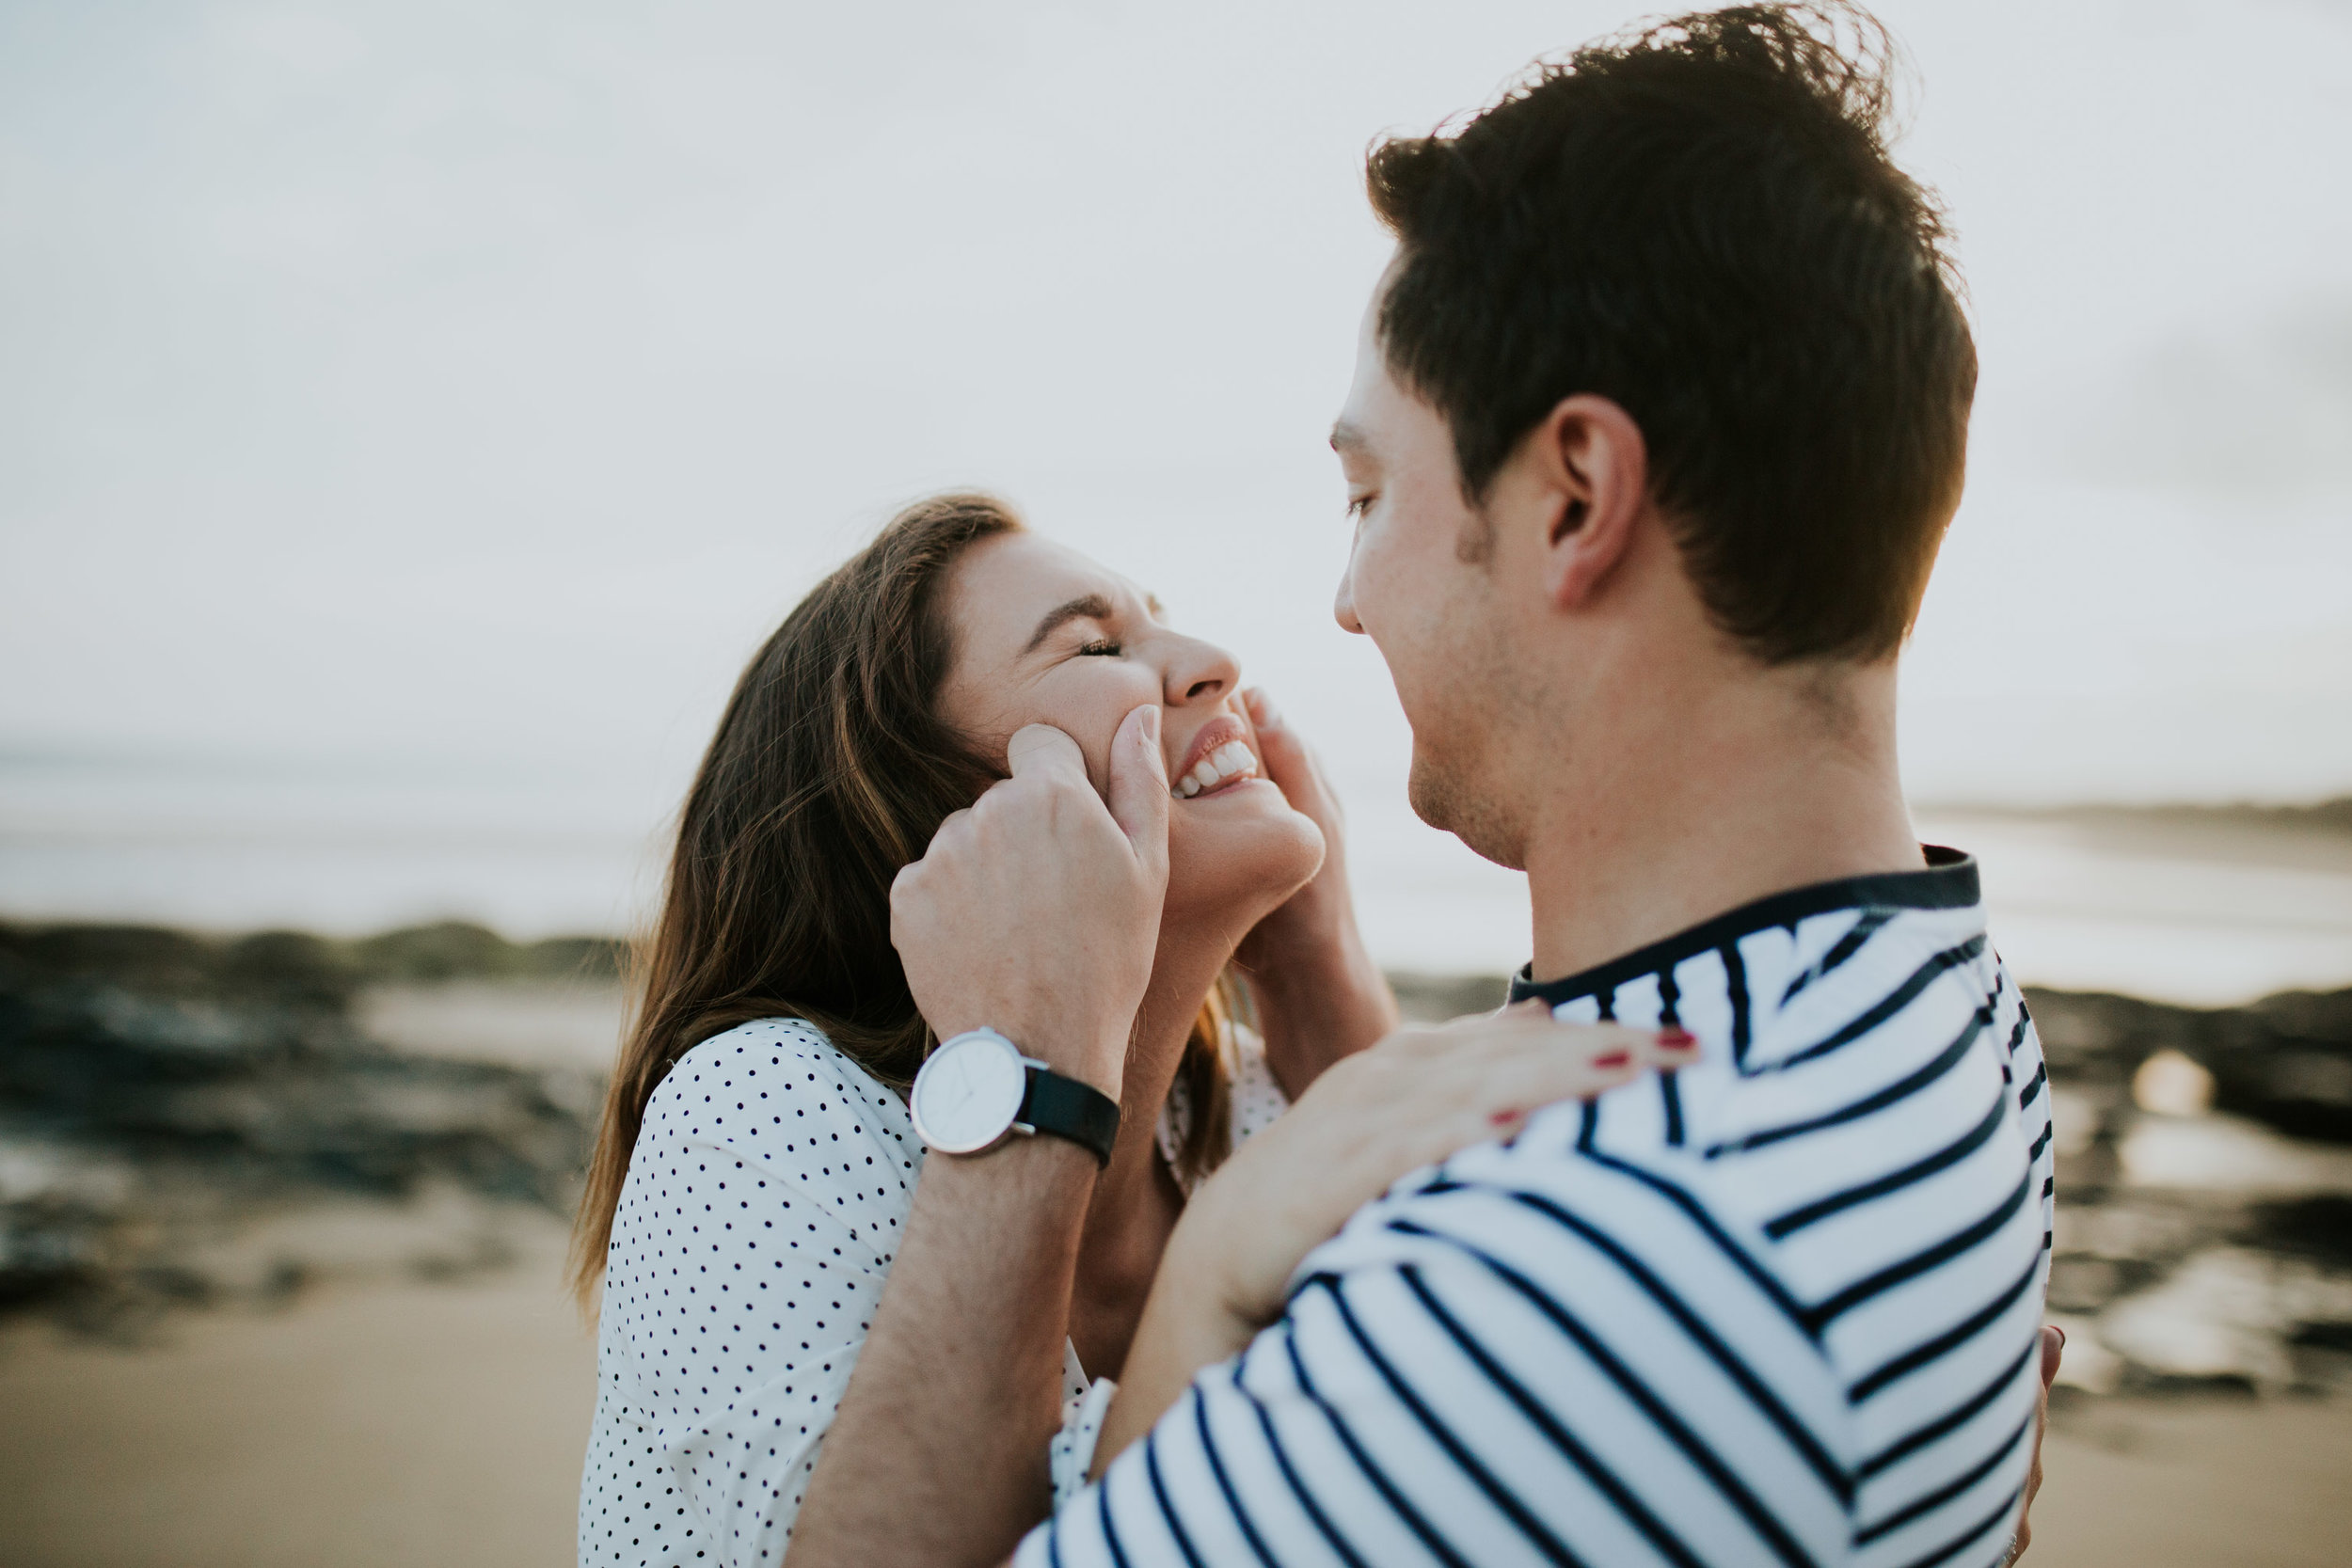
{"points": [[1218, 758]]}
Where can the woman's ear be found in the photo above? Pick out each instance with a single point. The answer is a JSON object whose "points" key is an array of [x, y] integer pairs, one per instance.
{"points": [[1589, 460]]}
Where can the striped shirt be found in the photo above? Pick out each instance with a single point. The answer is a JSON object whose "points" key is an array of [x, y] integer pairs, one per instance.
{"points": [[1780, 1306]]}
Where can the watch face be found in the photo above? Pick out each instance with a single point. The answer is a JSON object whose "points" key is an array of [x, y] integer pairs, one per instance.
{"points": [[969, 1093]]}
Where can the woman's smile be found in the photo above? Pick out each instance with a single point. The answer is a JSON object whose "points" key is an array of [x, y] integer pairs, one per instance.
{"points": [[1219, 758]]}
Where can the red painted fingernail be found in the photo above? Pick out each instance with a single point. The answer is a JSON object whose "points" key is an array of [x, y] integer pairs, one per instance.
{"points": [[1503, 1119], [1676, 1039], [2060, 1333], [1612, 1058]]}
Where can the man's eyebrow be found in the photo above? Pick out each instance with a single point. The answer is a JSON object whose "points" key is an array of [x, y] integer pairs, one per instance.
{"points": [[1090, 606], [1346, 438]]}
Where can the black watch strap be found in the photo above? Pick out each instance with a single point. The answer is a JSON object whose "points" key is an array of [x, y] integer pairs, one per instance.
{"points": [[1068, 1109]]}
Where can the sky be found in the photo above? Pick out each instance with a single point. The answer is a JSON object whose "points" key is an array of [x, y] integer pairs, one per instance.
{"points": [[428, 395]]}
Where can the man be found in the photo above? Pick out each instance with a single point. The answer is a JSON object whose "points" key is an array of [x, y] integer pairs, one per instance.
{"points": [[1660, 416]]}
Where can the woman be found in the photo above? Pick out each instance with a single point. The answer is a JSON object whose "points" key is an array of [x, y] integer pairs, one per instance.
{"points": [[757, 1159]]}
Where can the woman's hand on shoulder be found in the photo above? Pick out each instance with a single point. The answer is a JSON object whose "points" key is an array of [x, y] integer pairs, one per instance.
{"points": [[1417, 1097], [1421, 1094]]}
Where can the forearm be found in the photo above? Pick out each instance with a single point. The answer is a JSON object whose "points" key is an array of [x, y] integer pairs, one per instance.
{"points": [[1316, 1008], [938, 1453], [1184, 1328]]}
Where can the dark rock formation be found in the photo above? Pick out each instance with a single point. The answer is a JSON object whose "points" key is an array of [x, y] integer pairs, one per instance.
{"points": [[156, 1086]]}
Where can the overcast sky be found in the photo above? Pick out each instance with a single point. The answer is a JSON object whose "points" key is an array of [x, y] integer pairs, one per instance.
{"points": [[469, 386]]}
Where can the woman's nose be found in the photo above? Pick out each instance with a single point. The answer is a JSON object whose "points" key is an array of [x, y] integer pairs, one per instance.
{"points": [[1200, 672]]}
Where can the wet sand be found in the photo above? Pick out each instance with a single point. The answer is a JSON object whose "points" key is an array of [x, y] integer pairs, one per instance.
{"points": [[366, 1426], [442, 1424]]}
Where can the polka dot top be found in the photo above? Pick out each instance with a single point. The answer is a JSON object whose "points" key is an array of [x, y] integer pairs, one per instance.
{"points": [[763, 1205]]}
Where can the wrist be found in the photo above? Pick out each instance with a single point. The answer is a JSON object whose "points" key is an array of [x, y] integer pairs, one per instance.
{"points": [[1048, 1181]]}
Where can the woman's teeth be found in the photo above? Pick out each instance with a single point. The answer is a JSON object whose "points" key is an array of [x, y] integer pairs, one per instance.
{"points": [[1228, 762]]}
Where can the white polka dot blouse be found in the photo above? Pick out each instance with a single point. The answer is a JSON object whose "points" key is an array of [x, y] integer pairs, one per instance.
{"points": [[764, 1203]]}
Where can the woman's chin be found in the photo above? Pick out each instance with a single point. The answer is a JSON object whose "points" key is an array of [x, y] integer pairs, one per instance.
{"points": [[1241, 850]]}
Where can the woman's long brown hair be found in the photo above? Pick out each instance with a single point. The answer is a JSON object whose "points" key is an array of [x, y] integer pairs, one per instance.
{"points": [[830, 770]]}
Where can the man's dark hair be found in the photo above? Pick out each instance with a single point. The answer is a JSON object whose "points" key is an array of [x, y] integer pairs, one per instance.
{"points": [[1700, 222]]}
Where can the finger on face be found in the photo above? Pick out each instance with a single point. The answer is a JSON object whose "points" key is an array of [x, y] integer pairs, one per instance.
{"points": [[1040, 749]]}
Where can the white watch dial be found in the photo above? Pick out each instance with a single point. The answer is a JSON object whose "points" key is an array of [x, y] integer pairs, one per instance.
{"points": [[967, 1095]]}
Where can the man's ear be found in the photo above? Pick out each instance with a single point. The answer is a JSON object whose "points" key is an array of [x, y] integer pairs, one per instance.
{"points": [[1588, 459]]}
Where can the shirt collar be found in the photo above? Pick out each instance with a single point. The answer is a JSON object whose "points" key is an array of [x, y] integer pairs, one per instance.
{"points": [[1949, 882]]}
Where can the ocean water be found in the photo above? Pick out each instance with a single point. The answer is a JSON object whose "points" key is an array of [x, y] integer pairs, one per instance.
{"points": [[2207, 914]]}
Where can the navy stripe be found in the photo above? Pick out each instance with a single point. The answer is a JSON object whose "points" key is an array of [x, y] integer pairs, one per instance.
{"points": [[1743, 1020], [1110, 1531], [2033, 1086], [1661, 1415], [1894, 1001], [1552, 1547], [1699, 1217], [1371, 1472], [2017, 1036], [1946, 1492], [1944, 1344], [1669, 999], [1672, 1095], [1167, 1511], [1224, 1483], [1925, 1258], [1918, 1170], [1797, 1434], [1846, 948], [2043, 1142], [1901, 1088], [1951, 1420], [1968, 1537], [1316, 1515]]}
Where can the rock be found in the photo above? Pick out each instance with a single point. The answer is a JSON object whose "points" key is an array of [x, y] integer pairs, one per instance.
{"points": [[2226, 1313], [186, 1119]]}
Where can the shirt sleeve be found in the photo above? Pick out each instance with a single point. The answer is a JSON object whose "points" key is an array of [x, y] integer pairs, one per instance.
{"points": [[762, 1297]]}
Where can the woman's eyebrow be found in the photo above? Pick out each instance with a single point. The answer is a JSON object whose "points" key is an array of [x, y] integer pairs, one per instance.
{"points": [[1090, 606]]}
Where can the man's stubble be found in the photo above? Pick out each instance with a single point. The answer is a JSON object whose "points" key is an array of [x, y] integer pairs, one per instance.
{"points": [[1459, 710]]}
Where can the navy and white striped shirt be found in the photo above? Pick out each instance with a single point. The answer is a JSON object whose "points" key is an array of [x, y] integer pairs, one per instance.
{"points": [[1781, 1306]]}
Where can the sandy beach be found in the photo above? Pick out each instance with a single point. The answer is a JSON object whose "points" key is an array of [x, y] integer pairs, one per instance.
{"points": [[443, 1424]]}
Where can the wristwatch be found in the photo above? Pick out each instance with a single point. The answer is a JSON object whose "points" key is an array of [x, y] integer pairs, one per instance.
{"points": [[978, 1087]]}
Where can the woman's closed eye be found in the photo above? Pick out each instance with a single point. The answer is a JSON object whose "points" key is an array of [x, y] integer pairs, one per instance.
{"points": [[1102, 647]]}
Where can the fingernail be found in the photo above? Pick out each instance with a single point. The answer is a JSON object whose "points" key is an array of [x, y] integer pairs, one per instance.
{"points": [[1151, 724], [1612, 1058], [1676, 1039], [2060, 1333], [1503, 1119]]}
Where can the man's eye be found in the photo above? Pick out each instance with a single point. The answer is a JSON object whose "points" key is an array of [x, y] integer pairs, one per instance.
{"points": [[1102, 647], [1358, 505]]}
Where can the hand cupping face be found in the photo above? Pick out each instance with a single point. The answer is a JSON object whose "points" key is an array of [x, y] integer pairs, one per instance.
{"points": [[1036, 911]]}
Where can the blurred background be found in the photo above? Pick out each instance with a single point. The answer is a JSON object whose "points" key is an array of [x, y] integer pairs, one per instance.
{"points": [[412, 415]]}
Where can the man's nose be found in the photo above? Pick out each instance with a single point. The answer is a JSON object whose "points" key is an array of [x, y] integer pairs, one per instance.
{"points": [[1343, 602]]}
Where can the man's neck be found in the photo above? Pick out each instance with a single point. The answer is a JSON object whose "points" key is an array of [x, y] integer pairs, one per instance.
{"points": [[1727, 793]]}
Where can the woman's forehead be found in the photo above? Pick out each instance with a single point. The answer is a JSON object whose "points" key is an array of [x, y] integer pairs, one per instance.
{"points": [[1021, 571]]}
